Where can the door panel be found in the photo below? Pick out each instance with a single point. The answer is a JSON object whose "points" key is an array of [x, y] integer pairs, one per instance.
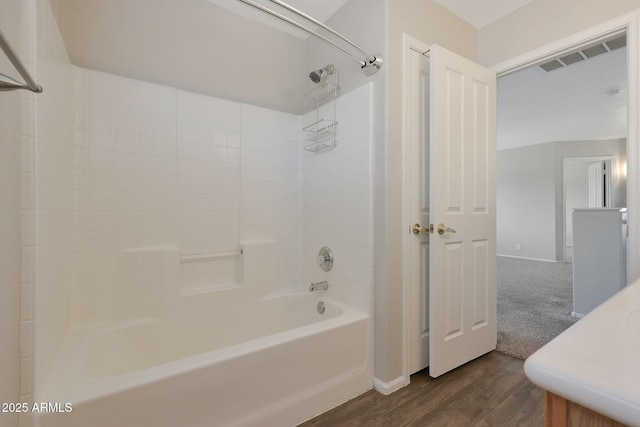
{"points": [[453, 304], [480, 284], [481, 146], [462, 192], [453, 142]]}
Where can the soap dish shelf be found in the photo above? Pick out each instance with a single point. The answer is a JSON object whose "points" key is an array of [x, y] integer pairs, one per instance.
{"points": [[320, 135]]}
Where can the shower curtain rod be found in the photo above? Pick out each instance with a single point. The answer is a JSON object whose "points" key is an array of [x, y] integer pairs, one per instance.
{"points": [[6, 82], [370, 64]]}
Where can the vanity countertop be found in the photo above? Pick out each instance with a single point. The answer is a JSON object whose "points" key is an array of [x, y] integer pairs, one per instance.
{"points": [[596, 362]]}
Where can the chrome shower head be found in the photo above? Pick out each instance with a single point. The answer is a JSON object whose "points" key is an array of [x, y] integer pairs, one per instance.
{"points": [[321, 75]]}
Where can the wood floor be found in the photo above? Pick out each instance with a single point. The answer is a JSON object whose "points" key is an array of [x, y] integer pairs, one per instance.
{"points": [[489, 391]]}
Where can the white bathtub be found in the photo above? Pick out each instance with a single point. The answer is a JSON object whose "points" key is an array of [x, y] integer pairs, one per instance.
{"points": [[277, 363]]}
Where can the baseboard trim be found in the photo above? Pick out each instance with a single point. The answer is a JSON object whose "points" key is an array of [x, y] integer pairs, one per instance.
{"points": [[528, 258], [577, 315], [390, 387]]}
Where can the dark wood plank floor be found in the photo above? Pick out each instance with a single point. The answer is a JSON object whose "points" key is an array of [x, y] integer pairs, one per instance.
{"points": [[489, 391]]}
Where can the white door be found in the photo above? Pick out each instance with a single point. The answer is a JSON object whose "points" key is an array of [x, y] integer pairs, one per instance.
{"points": [[462, 250], [417, 187], [595, 185]]}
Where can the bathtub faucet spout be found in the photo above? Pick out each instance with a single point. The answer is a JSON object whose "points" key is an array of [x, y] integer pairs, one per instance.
{"points": [[319, 286]]}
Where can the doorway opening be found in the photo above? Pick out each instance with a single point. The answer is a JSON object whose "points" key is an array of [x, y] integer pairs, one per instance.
{"points": [[562, 145]]}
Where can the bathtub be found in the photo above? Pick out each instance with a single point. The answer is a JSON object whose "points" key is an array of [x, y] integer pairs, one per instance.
{"points": [[276, 362]]}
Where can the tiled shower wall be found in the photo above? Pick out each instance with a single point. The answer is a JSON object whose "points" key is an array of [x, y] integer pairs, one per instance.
{"points": [[337, 189], [156, 167]]}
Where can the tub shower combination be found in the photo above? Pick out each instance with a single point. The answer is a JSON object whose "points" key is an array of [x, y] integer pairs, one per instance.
{"points": [[281, 364], [215, 356], [222, 342]]}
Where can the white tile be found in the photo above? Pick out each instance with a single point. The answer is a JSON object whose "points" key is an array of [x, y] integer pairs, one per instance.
{"points": [[125, 142], [27, 154], [26, 302], [101, 89], [101, 222], [28, 117], [26, 379], [100, 201], [101, 160], [27, 265], [101, 140], [126, 162], [194, 108], [26, 338], [27, 191], [27, 226], [80, 158], [101, 181]]}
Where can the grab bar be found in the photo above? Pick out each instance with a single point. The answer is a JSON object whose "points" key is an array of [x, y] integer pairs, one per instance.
{"points": [[6, 82], [185, 259]]}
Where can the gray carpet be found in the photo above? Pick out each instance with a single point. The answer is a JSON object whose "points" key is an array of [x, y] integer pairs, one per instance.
{"points": [[535, 300]]}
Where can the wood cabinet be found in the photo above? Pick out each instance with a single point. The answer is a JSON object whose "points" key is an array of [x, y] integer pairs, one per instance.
{"points": [[560, 412]]}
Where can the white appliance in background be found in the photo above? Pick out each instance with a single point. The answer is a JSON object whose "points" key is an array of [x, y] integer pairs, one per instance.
{"points": [[599, 256]]}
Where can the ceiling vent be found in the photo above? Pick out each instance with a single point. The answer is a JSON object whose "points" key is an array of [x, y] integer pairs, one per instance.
{"points": [[585, 52]]}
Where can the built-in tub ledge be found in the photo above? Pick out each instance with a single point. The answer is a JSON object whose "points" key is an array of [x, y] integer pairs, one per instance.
{"points": [[188, 258], [595, 362]]}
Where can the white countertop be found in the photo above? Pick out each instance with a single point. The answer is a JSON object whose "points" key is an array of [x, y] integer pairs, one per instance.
{"points": [[596, 362]]}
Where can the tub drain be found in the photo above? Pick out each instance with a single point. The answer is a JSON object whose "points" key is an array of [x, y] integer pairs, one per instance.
{"points": [[320, 307]]}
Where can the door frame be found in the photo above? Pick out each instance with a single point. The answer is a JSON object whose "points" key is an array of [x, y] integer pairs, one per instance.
{"points": [[631, 24]]}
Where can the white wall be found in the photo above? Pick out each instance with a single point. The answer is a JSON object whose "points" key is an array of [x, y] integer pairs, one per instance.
{"points": [[525, 200], [529, 194], [541, 22], [10, 221]]}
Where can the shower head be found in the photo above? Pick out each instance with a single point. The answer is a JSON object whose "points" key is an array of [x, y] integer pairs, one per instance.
{"points": [[321, 75]]}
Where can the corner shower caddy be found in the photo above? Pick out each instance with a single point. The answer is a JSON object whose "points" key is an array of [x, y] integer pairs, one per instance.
{"points": [[321, 134]]}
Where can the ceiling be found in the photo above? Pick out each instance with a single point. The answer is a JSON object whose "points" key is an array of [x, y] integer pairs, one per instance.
{"points": [[179, 45], [319, 10], [193, 45], [479, 13], [583, 101]]}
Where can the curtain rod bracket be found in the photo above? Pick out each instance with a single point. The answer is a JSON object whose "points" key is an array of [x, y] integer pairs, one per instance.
{"points": [[373, 66], [370, 65]]}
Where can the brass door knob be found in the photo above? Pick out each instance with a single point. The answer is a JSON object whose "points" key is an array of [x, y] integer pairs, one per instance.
{"points": [[417, 229], [444, 229]]}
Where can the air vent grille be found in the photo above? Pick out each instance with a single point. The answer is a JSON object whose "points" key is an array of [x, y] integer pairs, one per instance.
{"points": [[617, 43], [596, 50], [585, 53], [551, 65], [572, 59]]}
